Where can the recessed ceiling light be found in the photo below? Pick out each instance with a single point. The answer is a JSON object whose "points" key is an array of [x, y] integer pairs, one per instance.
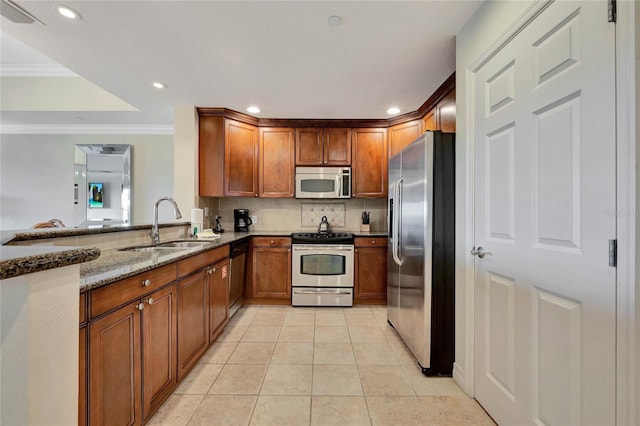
{"points": [[393, 110], [334, 20], [159, 85], [67, 12], [253, 109]]}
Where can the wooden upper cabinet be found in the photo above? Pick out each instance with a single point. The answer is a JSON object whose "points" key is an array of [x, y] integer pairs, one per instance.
{"points": [[402, 135], [442, 116], [429, 121], [369, 162], [337, 147], [277, 162], [316, 146], [309, 147], [447, 113], [240, 159], [211, 156]]}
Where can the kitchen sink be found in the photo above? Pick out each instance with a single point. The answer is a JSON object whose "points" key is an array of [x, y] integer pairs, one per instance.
{"points": [[168, 247], [183, 244], [152, 249]]}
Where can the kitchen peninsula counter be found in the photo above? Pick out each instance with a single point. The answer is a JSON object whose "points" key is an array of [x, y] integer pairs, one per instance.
{"points": [[102, 267]]}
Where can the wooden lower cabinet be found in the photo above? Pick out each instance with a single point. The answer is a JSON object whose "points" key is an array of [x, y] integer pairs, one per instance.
{"points": [[132, 367], [218, 298], [271, 269], [370, 286], [193, 319], [159, 328], [115, 379]]}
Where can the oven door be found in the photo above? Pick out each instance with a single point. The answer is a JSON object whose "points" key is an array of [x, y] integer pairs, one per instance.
{"points": [[320, 265]]}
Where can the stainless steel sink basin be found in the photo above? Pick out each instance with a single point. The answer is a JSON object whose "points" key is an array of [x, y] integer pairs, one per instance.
{"points": [[168, 247], [152, 249], [183, 244]]}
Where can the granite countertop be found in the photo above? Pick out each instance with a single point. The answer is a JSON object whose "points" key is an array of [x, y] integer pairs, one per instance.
{"points": [[21, 260], [99, 268]]}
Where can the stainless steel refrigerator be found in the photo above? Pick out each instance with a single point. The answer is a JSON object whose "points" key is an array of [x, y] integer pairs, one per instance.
{"points": [[420, 282]]}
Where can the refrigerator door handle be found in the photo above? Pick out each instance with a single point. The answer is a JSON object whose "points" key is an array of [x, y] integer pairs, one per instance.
{"points": [[395, 248]]}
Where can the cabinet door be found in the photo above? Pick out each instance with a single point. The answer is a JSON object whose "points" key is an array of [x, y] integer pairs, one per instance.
{"points": [[402, 135], [371, 274], [218, 298], [193, 320], [271, 273], [337, 147], [277, 162], [240, 159], [211, 156], [429, 121], [447, 113], [115, 389], [309, 147], [82, 380], [159, 327], [369, 163]]}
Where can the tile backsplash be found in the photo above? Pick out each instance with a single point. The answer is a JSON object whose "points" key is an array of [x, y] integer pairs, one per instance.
{"points": [[290, 214]]}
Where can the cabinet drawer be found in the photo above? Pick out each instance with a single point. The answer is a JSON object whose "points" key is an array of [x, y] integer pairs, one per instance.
{"points": [[271, 241], [111, 296], [199, 261], [370, 242]]}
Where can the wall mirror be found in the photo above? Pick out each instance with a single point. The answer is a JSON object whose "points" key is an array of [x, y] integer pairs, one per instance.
{"points": [[102, 185]]}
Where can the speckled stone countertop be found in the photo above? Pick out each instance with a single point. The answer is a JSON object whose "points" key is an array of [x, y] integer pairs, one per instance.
{"points": [[16, 261], [114, 265], [45, 233], [101, 268], [20, 260]]}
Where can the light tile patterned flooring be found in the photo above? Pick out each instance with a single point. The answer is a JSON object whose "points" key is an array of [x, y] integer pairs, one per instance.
{"points": [[279, 365]]}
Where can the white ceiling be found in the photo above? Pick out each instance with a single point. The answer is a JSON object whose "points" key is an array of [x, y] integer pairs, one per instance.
{"points": [[282, 56]]}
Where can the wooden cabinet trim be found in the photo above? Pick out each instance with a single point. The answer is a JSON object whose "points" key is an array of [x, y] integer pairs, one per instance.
{"points": [[83, 308]]}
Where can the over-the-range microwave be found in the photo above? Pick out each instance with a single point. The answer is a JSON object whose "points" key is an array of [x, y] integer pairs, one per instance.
{"points": [[323, 182]]}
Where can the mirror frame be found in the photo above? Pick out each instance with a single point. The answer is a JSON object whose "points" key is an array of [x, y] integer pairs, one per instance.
{"points": [[83, 153]]}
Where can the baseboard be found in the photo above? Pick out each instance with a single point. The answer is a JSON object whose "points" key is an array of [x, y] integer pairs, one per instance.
{"points": [[459, 377]]}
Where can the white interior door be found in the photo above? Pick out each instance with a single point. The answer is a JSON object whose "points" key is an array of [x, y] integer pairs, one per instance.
{"points": [[544, 134]]}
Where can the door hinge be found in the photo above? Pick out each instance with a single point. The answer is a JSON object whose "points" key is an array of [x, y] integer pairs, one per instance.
{"points": [[613, 253], [612, 10]]}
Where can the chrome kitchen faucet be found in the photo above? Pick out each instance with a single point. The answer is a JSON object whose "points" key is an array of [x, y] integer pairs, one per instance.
{"points": [[155, 235]]}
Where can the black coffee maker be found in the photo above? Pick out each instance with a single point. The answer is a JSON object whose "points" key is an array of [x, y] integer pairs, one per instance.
{"points": [[241, 220]]}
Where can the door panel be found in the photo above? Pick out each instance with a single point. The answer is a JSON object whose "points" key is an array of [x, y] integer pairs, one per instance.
{"points": [[544, 133]]}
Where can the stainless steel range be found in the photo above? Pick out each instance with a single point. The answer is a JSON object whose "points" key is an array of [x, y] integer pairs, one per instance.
{"points": [[322, 269]]}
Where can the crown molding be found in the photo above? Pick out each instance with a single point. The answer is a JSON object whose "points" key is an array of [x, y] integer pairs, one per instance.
{"points": [[35, 70], [85, 129], [445, 88]]}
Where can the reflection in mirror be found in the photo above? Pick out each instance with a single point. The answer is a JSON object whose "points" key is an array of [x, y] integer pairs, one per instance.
{"points": [[102, 185]]}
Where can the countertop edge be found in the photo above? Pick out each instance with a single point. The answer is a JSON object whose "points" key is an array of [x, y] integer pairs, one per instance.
{"points": [[16, 267]]}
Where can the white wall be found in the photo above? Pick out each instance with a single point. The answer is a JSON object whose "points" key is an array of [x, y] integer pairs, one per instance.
{"points": [[490, 20], [36, 176]]}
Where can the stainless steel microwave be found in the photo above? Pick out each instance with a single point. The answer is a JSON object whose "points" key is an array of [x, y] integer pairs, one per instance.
{"points": [[323, 182]]}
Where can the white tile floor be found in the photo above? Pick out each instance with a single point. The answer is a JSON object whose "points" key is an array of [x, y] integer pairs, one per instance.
{"points": [[279, 365]]}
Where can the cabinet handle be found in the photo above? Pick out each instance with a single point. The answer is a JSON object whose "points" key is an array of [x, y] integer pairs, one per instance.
{"points": [[255, 195], [140, 306], [271, 242], [150, 301], [355, 250], [146, 282], [373, 242]]}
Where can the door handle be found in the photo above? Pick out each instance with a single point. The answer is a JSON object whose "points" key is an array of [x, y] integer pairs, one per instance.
{"points": [[480, 252]]}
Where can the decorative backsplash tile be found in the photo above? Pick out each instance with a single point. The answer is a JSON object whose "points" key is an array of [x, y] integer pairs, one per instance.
{"points": [[312, 213]]}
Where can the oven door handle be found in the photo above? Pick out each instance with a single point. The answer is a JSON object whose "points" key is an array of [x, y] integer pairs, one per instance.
{"points": [[320, 292], [316, 248]]}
